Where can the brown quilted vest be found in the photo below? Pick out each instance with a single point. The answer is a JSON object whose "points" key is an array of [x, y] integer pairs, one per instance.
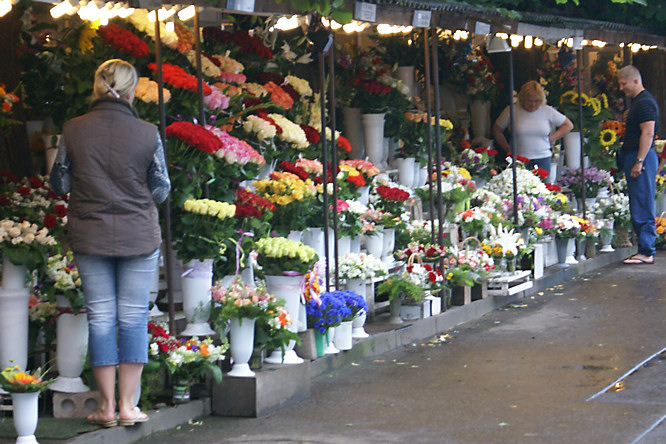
{"points": [[111, 211]]}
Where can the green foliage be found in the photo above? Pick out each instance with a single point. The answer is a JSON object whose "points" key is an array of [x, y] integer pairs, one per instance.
{"points": [[400, 287]]}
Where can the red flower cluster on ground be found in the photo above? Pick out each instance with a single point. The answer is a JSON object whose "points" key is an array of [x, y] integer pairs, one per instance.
{"points": [[124, 41], [195, 136], [392, 194], [311, 134], [293, 169], [178, 78], [249, 204]]}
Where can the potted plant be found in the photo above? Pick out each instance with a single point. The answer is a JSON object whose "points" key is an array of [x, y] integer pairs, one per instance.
{"points": [[186, 360], [24, 387], [398, 289]]}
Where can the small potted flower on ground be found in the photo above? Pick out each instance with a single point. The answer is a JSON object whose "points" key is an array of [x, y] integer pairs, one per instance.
{"points": [[398, 289], [24, 387], [323, 316]]}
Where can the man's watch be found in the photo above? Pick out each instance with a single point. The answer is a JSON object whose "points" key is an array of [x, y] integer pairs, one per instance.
{"points": [[639, 160]]}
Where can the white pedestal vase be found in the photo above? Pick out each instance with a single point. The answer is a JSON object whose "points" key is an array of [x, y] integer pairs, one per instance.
{"points": [[241, 344], [480, 116], [355, 245], [343, 336], [329, 348], [373, 139], [314, 237], [13, 276], [197, 280], [565, 251], [287, 288], [406, 172], [394, 306], [71, 349], [374, 244], [358, 330], [606, 237], [25, 408], [572, 149], [406, 75], [354, 131], [389, 244], [14, 327]]}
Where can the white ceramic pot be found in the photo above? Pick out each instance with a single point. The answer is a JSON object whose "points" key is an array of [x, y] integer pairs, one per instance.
{"points": [[71, 349], [330, 348], [406, 171], [572, 149], [26, 415], [14, 327], [343, 336], [358, 330], [344, 245], [389, 244], [373, 137], [13, 276], [374, 244]]}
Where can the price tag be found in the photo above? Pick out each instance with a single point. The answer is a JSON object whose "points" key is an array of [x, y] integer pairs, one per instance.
{"points": [[241, 5], [365, 12], [481, 28], [421, 18]]}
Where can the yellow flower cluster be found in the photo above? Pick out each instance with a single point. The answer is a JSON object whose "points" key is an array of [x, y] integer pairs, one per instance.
{"points": [[285, 188], [596, 104], [280, 247], [300, 85], [221, 210]]}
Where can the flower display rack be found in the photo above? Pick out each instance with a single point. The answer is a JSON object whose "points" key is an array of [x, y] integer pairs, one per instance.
{"points": [[508, 284]]}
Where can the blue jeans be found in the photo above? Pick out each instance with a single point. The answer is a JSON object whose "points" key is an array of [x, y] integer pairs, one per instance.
{"points": [[117, 293], [641, 192], [544, 163]]}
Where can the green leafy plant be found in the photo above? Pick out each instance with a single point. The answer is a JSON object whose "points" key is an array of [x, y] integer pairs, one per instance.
{"points": [[400, 287]]}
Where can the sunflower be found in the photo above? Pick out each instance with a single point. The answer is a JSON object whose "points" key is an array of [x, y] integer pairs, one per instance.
{"points": [[607, 137]]}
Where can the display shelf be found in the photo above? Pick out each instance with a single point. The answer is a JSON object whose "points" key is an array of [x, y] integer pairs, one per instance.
{"points": [[507, 284]]}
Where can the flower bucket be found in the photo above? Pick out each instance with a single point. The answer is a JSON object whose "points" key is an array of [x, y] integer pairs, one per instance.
{"points": [[320, 343], [480, 118], [330, 348], [181, 391], [14, 327], [197, 280], [572, 149], [373, 138], [394, 306], [374, 244], [406, 171], [389, 244], [13, 276], [343, 336]]}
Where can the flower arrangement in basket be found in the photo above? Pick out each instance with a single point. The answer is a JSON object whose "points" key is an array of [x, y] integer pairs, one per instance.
{"points": [[201, 227], [64, 280], [400, 286], [24, 243], [426, 252], [360, 266], [15, 380], [328, 312], [426, 276], [595, 179], [466, 265], [277, 255], [184, 359]]}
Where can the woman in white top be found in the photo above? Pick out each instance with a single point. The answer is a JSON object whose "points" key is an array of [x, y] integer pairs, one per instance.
{"points": [[534, 123]]}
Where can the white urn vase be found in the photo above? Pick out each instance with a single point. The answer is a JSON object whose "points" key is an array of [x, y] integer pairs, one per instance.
{"points": [[287, 288], [241, 344], [25, 408], [197, 280], [71, 348], [373, 138]]}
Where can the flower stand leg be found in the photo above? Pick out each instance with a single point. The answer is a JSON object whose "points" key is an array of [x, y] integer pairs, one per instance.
{"points": [[330, 348]]}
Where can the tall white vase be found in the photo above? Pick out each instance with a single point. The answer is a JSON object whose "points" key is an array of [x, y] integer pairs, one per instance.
{"points": [[13, 276], [406, 75], [314, 237], [71, 349], [355, 245], [374, 244], [406, 171], [14, 327], [25, 408], [358, 286], [354, 131], [241, 345], [389, 244], [287, 288], [343, 336], [480, 114], [572, 149], [373, 139], [344, 245], [197, 280]]}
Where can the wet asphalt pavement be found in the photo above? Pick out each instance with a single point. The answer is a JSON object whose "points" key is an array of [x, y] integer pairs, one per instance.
{"points": [[552, 368]]}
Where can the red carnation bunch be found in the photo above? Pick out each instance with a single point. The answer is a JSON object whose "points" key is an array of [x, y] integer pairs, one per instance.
{"points": [[392, 194], [372, 87], [9, 176], [311, 134], [249, 204], [357, 180], [293, 169], [553, 187], [165, 342], [124, 41], [177, 77], [195, 136], [520, 158], [541, 173], [343, 144], [35, 182]]}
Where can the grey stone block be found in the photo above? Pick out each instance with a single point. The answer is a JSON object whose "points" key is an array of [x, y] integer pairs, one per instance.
{"points": [[75, 405], [272, 388]]}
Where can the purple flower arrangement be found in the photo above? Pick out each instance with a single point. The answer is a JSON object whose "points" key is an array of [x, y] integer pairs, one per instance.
{"points": [[595, 179]]}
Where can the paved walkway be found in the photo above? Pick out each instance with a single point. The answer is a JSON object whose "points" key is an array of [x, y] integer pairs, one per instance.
{"points": [[523, 374]]}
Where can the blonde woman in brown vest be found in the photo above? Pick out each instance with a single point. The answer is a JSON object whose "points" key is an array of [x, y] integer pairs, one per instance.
{"points": [[112, 164]]}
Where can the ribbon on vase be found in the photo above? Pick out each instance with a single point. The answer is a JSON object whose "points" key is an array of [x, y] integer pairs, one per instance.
{"points": [[240, 255], [197, 269], [68, 310]]}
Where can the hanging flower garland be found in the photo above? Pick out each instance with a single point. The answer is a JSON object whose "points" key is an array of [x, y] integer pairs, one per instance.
{"points": [[124, 41]]}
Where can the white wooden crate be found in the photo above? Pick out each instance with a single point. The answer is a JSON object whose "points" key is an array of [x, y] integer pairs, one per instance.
{"points": [[508, 284]]}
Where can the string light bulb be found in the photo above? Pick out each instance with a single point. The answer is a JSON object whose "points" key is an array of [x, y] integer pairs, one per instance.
{"points": [[187, 13]]}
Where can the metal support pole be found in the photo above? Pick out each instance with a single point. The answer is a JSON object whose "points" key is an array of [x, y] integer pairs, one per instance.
{"points": [[197, 49], [514, 166], [166, 207], [579, 63], [324, 159], [438, 139], [334, 157], [428, 90]]}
